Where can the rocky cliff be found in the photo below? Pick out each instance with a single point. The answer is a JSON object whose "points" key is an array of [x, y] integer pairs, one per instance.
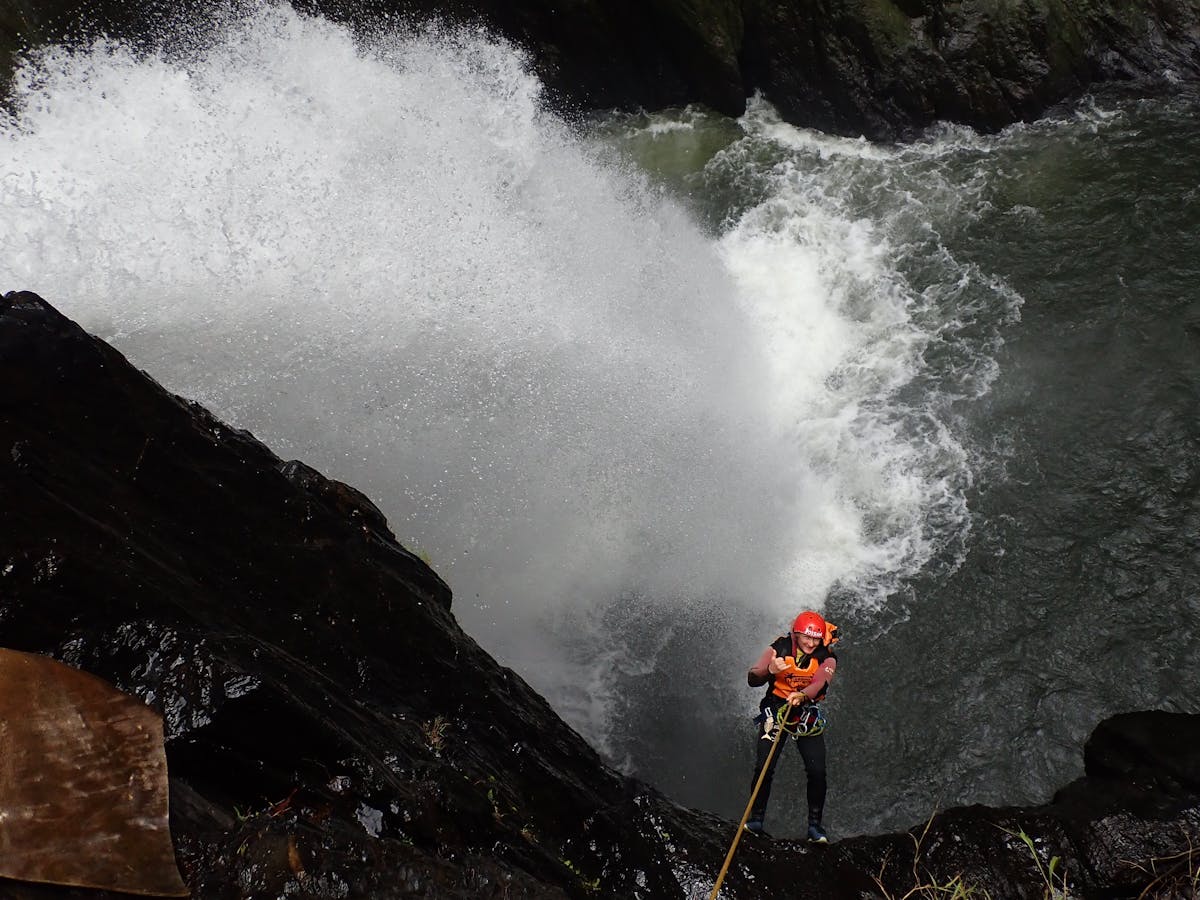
{"points": [[883, 68], [332, 732]]}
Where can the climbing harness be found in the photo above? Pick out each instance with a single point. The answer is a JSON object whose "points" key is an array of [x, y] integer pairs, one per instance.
{"points": [[809, 718], [805, 721], [809, 722]]}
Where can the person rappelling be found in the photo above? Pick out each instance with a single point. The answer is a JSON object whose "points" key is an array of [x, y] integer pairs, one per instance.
{"points": [[797, 669]]}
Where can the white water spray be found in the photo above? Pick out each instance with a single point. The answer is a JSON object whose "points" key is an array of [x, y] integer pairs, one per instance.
{"points": [[385, 258]]}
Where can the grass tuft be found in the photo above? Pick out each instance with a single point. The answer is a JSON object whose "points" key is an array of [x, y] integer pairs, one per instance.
{"points": [[435, 732], [1172, 876], [926, 886]]}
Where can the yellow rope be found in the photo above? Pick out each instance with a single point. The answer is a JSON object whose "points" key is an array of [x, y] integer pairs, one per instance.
{"points": [[780, 729]]}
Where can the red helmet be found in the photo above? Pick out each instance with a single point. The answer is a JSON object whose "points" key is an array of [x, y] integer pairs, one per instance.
{"points": [[809, 623]]}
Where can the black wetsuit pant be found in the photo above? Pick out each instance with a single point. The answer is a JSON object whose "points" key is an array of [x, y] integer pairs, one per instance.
{"points": [[812, 750]]}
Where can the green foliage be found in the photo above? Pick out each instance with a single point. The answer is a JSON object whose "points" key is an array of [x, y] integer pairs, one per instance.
{"points": [[926, 887], [888, 23], [1055, 882], [591, 885]]}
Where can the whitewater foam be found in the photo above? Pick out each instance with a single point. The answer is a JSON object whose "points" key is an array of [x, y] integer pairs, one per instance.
{"points": [[382, 255]]}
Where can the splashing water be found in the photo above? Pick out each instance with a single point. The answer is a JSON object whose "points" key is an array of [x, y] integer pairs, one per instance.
{"points": [[383, 256]]}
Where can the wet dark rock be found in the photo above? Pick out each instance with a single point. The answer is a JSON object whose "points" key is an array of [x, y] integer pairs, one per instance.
{"points": [[332, 732], [1129, 824], [883, 68], [1154, 751]]}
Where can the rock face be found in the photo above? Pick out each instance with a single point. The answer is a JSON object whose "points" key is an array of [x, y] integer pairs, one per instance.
{"points": [[332, 732], [886, 68], [330, 729], [883, 68]]}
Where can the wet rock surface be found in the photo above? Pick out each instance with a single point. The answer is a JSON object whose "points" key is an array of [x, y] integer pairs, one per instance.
{"points": [[332, 732], [881, 68], [887, 69]]}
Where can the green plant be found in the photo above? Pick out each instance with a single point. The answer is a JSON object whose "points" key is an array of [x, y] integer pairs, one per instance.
{"points": [[1056, 887], [494, 798], [1170, 877], [927, 887], [591, 885]]}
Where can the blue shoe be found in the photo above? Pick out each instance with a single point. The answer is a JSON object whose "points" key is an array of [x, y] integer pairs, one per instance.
{"points": [[816, 834], [754, 826]]}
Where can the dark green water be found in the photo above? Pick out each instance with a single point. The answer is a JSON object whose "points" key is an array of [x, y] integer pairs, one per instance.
{"points": [[1075, 590], [1080, 595]]}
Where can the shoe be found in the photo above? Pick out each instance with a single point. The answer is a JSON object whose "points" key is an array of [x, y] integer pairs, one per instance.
{"points": [[816, 834], [755, 826]]}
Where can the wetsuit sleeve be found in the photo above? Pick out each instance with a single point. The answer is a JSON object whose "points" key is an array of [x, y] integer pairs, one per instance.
{"points": [[822, 678], [759, 674]]}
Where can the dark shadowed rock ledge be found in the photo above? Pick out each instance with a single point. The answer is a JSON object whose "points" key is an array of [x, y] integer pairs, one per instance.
{"points": [[332, 732], [883, 68]]}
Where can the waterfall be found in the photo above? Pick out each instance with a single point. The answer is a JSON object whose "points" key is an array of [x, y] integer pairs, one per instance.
{"points": [[593, 412]]}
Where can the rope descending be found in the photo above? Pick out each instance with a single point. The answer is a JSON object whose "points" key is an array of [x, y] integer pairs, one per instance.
{"points": [[808, 722]]}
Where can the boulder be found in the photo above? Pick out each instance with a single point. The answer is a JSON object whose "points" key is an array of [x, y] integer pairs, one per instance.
{"points": [[886, 68]]}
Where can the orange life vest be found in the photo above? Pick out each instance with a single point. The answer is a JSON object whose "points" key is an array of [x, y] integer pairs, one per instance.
{"points": [[802, 668]]}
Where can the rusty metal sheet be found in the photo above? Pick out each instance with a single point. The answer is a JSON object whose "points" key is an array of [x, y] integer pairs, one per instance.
{"points": [[83, 782]]}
